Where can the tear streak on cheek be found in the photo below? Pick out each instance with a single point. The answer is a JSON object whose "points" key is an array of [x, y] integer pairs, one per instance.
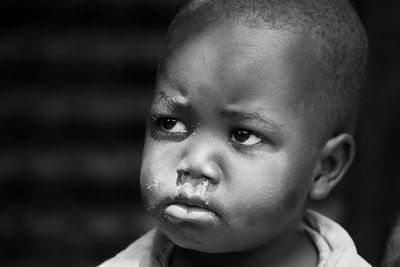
{"points": [[152, 186], [149, 192]]}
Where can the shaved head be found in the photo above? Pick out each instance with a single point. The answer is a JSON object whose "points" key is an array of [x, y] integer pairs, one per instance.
{"points": [[333, 28]]}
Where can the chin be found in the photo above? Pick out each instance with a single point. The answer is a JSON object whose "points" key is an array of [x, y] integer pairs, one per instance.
{"points": [[202, 242]]}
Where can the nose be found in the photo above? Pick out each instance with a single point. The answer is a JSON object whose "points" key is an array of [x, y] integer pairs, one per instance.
{"points": [[201, 160]]}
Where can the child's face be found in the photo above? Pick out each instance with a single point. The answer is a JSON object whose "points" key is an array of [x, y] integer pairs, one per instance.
{"points": [[230, 151]]}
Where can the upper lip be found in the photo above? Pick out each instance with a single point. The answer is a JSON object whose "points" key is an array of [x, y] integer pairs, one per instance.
{"points": [[193, 201]]}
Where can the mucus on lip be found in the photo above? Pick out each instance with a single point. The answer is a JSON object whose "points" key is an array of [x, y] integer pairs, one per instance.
{"points": [[196, 191]]}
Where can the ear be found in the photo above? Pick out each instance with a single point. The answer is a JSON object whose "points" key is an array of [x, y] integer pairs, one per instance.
{"points": [[335, 158]]}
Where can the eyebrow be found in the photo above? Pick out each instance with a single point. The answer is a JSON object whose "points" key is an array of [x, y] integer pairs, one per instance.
{"points": [[239, 115], [171, 103]]}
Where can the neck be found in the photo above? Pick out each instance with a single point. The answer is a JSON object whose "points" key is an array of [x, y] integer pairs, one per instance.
{"points": [[295, 249]]}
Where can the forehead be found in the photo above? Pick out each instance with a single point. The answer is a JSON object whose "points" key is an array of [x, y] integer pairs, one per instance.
{"points": [[237, 63]]}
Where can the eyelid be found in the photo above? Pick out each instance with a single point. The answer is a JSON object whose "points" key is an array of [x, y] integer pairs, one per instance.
{"points": [[157, 114], [247, 147]]}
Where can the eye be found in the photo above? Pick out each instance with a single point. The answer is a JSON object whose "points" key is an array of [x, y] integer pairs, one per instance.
{"points": [[245, 137], [172, 125]]}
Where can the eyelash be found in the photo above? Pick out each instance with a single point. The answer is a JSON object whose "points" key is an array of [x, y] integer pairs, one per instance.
{"points": [[159, 120], [250, 133], [160, 129]]}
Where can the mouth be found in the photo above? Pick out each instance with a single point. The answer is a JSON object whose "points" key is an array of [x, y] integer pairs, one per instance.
{"points": [[193, 210]]}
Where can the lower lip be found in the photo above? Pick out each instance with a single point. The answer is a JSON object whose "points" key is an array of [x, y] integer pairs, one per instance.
{"points": [[181, 213]]}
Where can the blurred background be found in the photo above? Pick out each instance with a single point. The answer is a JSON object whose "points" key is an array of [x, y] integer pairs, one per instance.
{"points": [[76, 78]]}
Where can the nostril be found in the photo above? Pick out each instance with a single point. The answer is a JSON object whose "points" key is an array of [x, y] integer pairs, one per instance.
{"points": [[184, 176], [182, 172]]}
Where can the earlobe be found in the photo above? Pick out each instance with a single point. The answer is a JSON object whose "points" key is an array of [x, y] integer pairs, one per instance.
{"points": [[320, 188], [334, 160]]}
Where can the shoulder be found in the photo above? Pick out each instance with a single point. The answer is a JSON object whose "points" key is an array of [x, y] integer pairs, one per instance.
{"points": [[334, 244], [149, 250]]}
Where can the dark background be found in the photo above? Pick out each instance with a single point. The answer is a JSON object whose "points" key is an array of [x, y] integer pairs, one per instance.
{"points": [[76, 78]]}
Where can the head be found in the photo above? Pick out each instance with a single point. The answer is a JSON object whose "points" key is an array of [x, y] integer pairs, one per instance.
{"points": [[252, 116]]}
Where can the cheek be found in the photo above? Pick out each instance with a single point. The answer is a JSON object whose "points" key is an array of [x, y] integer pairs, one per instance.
{"points": [[293, 199], [278, 192], [158, 173], [150, 182], [266, 213]]}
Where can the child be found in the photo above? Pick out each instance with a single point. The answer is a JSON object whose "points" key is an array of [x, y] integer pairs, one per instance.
{"points": [[253, 115]]}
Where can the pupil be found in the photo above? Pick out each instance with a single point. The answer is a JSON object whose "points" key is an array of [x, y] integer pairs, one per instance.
{"points": [[241, 135], [168, 124]]}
